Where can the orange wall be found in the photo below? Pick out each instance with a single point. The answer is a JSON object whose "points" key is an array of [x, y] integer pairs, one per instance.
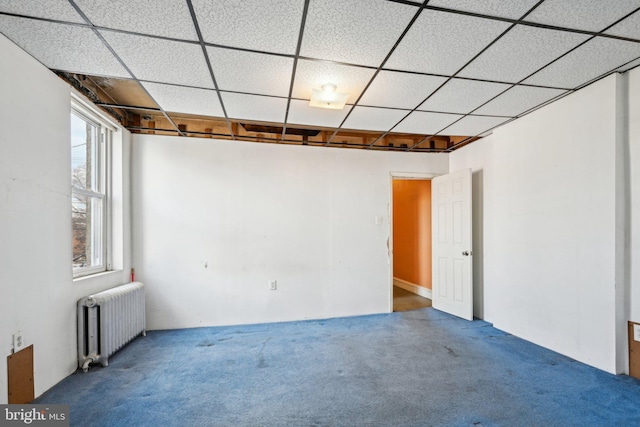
{"points": [[412, 231]]}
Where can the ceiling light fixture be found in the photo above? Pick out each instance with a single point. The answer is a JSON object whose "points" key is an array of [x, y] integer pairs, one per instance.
{"points": [[327, 97]]}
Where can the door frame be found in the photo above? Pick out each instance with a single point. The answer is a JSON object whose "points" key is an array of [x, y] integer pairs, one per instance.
{"points": [[418, 176]]}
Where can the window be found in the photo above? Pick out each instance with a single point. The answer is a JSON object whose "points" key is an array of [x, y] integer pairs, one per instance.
{"points": [[90, 183]]}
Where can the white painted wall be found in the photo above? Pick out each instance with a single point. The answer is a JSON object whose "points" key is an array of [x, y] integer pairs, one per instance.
{"points": [[304, 216], [545, 225], [634, 168], [38, 295]]}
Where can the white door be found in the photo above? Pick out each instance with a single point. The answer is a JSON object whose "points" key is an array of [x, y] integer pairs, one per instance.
{"points": [[451, 228]]}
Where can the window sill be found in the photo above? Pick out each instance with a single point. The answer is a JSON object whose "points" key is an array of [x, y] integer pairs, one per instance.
{"points": [[96, 276]]}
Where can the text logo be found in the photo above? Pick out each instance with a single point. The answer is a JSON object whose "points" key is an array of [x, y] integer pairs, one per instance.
{"points": [[34, 415]]}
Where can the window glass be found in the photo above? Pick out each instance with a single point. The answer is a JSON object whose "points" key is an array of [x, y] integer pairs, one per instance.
{"points": [[88, 197], [84, 151]]}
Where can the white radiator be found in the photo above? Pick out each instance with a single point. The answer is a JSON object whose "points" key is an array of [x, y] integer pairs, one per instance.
{"points": [[107, 321]]}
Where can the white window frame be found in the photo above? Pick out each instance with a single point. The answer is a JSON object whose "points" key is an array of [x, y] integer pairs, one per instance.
{"points": [[104, 175]]}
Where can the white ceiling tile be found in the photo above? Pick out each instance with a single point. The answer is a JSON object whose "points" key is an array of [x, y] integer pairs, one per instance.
{"points": [[473, 125], [60, 10], [355, 31], [400, 90], [589, 15], [271, 26], [441, 42], [62, 47], [521, 51], [254, 107], [168, 18], [301, 113], [462, 96], [187, 100], [589, 61], [630, 27], [426, 123], [513, 9], [251, 72], [371, 118], [517, 100], [314, 74], [162, 61]]}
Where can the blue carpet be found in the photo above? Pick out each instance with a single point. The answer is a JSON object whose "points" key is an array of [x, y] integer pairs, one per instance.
{"points": [[418, 368]]}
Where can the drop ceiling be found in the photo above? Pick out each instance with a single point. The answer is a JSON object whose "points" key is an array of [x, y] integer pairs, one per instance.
{"points": [[421, 76]]}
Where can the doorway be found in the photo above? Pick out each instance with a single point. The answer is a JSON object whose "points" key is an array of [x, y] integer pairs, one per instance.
{"points": [[410, 241]]}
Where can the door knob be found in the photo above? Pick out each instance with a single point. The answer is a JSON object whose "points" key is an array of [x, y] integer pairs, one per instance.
{"points": [[465, 253]]}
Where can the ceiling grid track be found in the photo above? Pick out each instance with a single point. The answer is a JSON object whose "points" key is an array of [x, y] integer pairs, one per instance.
{"points": [[422, 76], [113, 52], [540, 69], [208, 61], [460, 70], [404, 33], [305, 10]]}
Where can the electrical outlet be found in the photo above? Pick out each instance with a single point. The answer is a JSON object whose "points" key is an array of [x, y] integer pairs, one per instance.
{"points": [[18, 342], [273, 285]]}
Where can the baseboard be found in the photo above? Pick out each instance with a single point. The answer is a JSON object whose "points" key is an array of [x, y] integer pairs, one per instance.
{"points": [[412, 287]]}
